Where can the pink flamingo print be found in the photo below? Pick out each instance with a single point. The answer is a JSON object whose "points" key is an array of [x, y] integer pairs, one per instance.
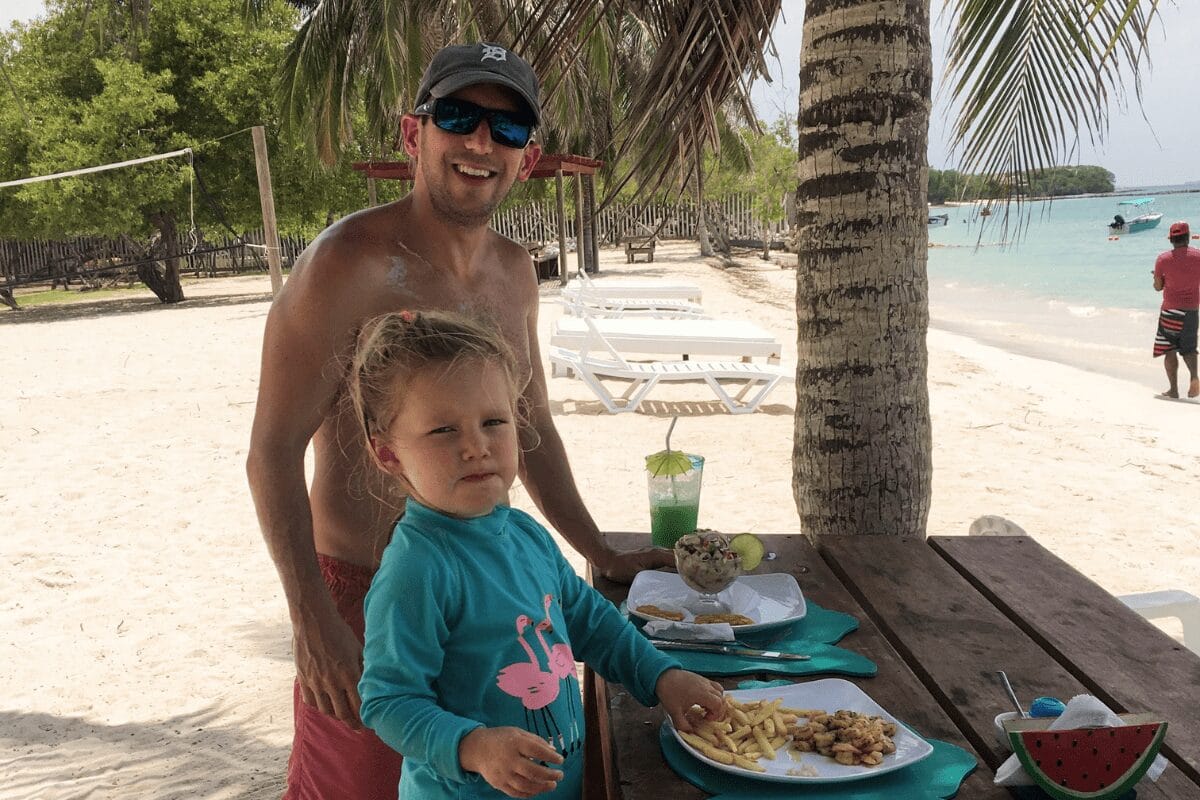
{"points": [[562, 660], [562, 666], [535, 689]]}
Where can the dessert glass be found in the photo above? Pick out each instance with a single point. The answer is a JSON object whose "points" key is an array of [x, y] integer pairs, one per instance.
{"points": [[707, 566]]}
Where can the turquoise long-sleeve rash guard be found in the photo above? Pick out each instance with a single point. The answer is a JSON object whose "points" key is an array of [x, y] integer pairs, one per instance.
{"points": [[473, 622]]}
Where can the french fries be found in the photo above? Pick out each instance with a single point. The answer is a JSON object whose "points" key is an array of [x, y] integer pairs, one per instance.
{"points": [[758, 729]]}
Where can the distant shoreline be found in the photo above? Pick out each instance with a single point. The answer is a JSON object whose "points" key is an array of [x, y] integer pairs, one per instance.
{"points": [[1048, 198]]}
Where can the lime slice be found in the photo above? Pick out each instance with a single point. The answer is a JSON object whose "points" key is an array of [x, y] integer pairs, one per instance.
{"points": [[750, 548], [668, 462]]}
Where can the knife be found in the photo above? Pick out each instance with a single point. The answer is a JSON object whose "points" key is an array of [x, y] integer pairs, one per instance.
{"points": [[705, 647]]}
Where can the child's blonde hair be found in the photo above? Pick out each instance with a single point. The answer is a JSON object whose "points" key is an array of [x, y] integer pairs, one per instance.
{"points": [[393, 347]]}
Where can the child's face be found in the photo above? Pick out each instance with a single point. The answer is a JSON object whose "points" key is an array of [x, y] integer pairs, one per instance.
{"points": [[455, 438]]}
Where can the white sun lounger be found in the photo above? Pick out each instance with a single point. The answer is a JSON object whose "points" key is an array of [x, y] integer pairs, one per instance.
{"points": [[597, 360], [585, 303], [628, 287], [710, 339]]}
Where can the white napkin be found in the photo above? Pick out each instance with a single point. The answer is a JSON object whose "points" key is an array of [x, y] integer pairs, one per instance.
{"points": [[689, 631], [1083, 711]]}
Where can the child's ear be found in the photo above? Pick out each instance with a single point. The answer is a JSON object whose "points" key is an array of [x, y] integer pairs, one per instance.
{"points": [[383, 453]]}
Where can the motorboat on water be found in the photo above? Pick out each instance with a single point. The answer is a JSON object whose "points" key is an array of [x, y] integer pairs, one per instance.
{"points": [[939, 219], [1142, 217]]}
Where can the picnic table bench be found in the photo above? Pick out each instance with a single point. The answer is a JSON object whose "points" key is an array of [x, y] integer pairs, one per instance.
{"points": [[939, 617]]}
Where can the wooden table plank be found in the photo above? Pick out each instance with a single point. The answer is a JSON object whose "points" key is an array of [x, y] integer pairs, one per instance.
{"points": [[639, 764], [1070, 616], [955, 639]]}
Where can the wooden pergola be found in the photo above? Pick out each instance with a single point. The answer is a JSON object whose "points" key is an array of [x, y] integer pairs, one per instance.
{"points": [[550, 165]]}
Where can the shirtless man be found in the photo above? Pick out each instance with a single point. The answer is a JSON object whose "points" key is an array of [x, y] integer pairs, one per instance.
{"points": [[1177, 276], [432, 249]]}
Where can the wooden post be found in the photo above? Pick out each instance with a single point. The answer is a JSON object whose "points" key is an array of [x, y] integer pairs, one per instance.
{"points": [[562, 228], [372, 195], [593, 244], [701, 222], [266, 199], [580, 239]]}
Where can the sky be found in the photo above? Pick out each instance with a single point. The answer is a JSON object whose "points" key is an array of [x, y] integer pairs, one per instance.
{"points": [[1129, 150], [1155, 150]]}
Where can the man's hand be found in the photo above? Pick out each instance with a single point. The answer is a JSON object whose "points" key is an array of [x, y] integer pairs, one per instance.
{"points": [[329, 664], [507, 758], [622, 566]]}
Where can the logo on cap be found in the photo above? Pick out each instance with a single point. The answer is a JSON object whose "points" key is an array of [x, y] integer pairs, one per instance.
{"points": [[493, 53]]}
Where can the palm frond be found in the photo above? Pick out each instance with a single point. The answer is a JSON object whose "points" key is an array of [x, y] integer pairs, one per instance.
{"points": [[623, 81], [1034, 76]]}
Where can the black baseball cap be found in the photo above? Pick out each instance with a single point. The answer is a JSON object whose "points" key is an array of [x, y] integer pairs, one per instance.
{"points": [[460, 65]]}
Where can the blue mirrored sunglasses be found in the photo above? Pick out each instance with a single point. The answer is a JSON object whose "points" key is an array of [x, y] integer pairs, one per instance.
{"points": [[509, 128]]}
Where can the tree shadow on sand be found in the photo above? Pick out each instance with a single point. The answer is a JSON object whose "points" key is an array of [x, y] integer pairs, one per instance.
{"points": [[56, 312], [194, 755]]}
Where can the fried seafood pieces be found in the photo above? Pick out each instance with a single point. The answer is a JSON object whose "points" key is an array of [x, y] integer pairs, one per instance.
{"points": [[847, 737]]}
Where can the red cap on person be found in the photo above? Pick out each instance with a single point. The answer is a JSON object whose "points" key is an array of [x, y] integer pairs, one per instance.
{"points": [[1179, 229]]}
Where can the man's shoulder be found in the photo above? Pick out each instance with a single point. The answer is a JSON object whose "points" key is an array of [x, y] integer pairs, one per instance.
{"points": [[510, 251], [336, 266], [354, 235]]}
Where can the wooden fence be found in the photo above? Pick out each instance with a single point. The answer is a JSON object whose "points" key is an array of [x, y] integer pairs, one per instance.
{"points": [[734, 215], [95, 261]]}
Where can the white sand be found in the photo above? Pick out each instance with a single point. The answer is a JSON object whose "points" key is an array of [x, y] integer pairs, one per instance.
{"points": [[146, 644]]}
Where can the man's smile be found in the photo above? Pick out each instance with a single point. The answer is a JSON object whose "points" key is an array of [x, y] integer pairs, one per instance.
{"points": [[472, 171]]}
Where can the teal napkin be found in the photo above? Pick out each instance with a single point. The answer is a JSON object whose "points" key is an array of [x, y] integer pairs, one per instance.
{"points": [[933, 778], [814, 635]]}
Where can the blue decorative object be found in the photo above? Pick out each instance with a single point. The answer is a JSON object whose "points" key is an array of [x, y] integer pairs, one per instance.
{"points": [[1046, 707]]}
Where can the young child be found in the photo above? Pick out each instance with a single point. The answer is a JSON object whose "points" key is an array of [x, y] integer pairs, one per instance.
{"points": [[474, 620]]}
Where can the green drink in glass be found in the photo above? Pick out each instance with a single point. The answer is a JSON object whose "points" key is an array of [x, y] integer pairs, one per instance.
{"points": [[674, 497]]}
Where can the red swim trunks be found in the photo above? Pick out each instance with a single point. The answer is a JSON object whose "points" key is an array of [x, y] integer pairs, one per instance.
{"points": [[330, 760]]}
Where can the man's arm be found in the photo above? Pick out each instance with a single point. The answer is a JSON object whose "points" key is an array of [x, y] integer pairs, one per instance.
{"points": [[296, 390], [547, 476]]}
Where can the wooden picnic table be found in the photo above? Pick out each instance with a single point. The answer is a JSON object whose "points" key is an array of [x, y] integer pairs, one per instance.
{"points": [[939, 617]]}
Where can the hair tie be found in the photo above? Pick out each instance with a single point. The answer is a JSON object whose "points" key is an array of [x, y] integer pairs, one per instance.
{"points": [[407, 316]]}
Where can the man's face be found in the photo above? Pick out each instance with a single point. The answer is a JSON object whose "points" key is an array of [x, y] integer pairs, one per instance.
{"points": [[468, 176]]}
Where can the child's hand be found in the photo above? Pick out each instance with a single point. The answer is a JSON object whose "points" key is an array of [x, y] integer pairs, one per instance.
{"points": [[507, 759], [678, 690]]}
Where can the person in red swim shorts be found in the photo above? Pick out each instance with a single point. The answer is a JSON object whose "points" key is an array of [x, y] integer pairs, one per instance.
{"points": [[1177, 276]]}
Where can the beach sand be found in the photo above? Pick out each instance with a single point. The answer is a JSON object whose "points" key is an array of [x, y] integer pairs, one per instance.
{"points": [[146, 642]]}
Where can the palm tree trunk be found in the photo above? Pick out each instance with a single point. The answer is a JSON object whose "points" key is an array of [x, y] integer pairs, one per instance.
{"points": [[861, 459]]}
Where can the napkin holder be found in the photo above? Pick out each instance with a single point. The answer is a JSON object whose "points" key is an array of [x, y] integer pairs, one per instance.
{"points": [[1098, 763]]}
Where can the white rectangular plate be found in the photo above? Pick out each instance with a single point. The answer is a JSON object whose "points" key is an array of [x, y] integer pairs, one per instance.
{"points": [[831, 695], [770, 600]]}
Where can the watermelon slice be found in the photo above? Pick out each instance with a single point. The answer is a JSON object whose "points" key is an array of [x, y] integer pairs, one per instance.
{"points": [[1091, 763]]}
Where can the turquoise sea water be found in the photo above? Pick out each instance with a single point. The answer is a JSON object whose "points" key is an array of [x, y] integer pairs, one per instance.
{"points": [[1049, 281], [1060, 250]]}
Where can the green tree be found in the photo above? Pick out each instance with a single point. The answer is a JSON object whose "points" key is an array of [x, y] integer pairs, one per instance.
{"points": [[86, 89], [761, 164]]}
